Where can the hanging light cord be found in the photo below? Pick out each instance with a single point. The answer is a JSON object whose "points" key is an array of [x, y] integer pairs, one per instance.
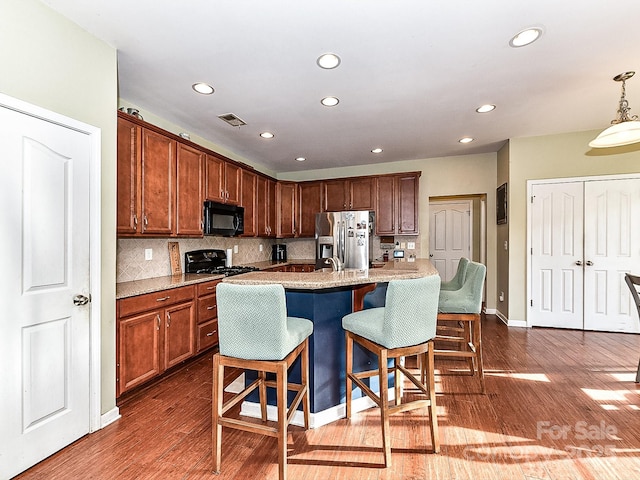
{"points": [[623, 109]]}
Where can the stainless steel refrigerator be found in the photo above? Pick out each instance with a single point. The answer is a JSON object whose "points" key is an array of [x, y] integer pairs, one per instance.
{"points": [[345, 235]]}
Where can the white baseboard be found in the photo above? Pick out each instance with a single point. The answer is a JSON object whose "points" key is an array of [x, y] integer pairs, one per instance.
{"points": [[316, 420], [109, 417], [502, 317], [518, 323], [490, 311]]}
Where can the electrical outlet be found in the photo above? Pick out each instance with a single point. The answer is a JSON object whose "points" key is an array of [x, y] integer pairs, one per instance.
{"points": [[148, 253], [260, 247], [506, 245], [501, 296], [411, 245], [235, 249]]}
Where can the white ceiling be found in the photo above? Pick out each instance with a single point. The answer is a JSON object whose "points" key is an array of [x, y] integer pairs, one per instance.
{"points": [[412, 73]]}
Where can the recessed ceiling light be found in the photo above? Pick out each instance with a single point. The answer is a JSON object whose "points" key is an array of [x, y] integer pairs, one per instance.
{"points": [[376, 150], [300, 159], [266, 135], [526, 37], [329, 101], [203, 88], [466, 140], [485, 108], [328, 61]]}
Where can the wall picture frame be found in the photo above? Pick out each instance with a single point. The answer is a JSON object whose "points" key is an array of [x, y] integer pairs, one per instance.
{"points": [[501, 204]]}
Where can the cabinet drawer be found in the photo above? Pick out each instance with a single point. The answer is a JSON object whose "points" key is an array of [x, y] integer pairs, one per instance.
{"points": [[150, 301], [207, 335], [207, 308], [207, 288]]}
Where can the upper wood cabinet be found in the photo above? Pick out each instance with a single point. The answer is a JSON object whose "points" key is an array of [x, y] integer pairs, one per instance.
{"points": [[286, 212], [308, 205], [129, 150], [158, 183], [349, 194], [189, 190], [222, 181], [397, 204], [248, 201], [266, 207]]}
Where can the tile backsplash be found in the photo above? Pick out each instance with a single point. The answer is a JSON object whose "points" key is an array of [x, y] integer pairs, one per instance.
{"points": [[131, 263]]}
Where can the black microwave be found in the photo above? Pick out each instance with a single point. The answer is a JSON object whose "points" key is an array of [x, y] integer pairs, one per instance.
{"points": [[222, 219]]}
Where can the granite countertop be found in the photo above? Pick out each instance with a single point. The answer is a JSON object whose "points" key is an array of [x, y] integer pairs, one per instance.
{"points": [[395, 270], [150, 285]]}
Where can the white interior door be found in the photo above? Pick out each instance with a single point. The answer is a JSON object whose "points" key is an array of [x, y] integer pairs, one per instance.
{"points": [[44, 336], [584, 238], [556, 255], [612, 248], [449, 235]]}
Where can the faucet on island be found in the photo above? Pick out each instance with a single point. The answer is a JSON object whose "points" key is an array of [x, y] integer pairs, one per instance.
{"points": [[336, 263]]}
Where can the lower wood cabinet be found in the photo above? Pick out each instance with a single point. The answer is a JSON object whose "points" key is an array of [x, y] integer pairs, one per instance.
{"points": [[207, 335], [154, 332]]}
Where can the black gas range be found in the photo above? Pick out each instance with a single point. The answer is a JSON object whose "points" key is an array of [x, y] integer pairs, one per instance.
{"points": [[212, 262]]}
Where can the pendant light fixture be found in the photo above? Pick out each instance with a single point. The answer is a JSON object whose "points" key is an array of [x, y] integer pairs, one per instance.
{"points": [[625, 129]]}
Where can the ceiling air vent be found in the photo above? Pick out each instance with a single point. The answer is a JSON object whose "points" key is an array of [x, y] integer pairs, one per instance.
{"points": [[232, 120]]}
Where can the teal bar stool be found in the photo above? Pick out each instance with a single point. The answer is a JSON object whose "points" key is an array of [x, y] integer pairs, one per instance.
{"points": [[464, 306], [256, 334], [458, 279], [405, 326]]}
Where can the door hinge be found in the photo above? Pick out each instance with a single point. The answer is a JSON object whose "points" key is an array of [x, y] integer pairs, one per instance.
{"points": [[532, 198], [532, 303]]}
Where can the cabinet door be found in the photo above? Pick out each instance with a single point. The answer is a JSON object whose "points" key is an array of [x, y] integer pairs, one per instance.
{"points": [[128, 165], [214, 173], [158, 173], [385, 205], [138, 349], [335, 195], [407, 194], [232, 179], [266, 207], [248, 201], [362, 193], [286, 200], [309, 204], [189, 166], [179, 338]]}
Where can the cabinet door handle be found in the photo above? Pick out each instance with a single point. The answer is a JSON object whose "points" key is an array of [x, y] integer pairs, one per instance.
{"points": [[135, 221], [211, 288], [162, 299], [168, 319], [158, 318], [210, 307], [211, 333]]}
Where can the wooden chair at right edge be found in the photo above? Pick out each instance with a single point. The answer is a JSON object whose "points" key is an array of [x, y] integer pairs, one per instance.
{"points": [[459, 320], [633, 282]]}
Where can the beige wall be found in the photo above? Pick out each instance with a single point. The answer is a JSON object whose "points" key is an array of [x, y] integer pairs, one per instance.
{"points": [[460, 175], [553, 156], [502, 236], [50, 62]]}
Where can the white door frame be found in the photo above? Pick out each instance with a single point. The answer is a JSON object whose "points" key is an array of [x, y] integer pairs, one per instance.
{"points": [[94, 133], [530, 184]]}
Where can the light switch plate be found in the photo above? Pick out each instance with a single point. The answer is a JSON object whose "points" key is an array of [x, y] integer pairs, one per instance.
{"points": [[411, 245]]}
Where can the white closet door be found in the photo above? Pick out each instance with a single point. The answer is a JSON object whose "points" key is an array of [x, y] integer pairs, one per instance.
{"points": [[556, 241], [612, 248], [449, 235]]}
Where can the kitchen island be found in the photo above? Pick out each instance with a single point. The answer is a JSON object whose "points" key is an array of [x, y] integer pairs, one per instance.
{"points": [[324, 297]]}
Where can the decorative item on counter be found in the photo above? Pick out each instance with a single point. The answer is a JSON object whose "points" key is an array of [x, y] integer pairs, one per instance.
{"points": [[174, 258], [184, 135], [385, 257], [229, 262]]}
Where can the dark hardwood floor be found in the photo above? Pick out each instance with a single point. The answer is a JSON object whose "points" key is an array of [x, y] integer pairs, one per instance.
{"points": [[560, 404]]}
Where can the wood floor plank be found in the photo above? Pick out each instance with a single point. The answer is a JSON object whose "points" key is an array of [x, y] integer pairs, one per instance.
{"points": [[560, 405]]}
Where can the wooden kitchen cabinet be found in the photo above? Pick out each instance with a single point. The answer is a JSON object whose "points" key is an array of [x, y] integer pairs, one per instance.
{"points": [[349, 194], [286, 213], [189, 191], [397, 204], [308, 205], [223, 181], [146, 179], [248, 202], [207, 326], [154, 332], [266, 207]]}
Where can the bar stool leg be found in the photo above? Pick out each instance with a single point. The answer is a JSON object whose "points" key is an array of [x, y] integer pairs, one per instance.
{"points": [[218, 377], [433, 414], [349, 371], [281, 387], [477, 341], [263, 395], [383, 368], [304, 375]]}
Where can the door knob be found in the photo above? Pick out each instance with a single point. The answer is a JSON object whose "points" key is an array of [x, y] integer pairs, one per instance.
{"points": [[579, 263], [80, 300], [588, 263]]}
